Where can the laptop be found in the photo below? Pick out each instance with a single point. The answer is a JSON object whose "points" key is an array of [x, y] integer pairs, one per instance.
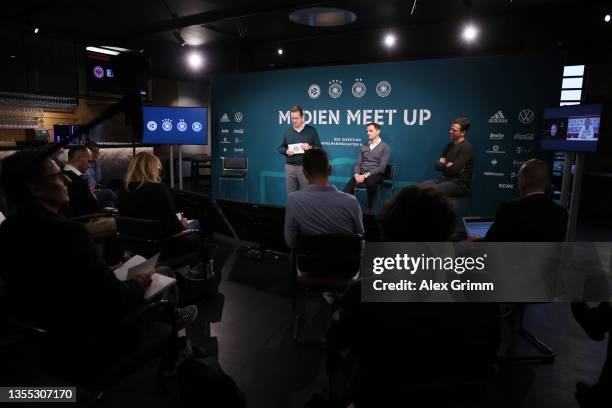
{"points": [[477, 226]]}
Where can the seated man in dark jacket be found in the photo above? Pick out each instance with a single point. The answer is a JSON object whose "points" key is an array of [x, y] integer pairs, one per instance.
{"points": [[456, 163], [82, 198], [53, 274], [534, 217]]}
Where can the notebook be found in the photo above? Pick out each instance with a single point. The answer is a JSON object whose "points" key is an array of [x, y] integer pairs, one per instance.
{"points": [[138, 264]]}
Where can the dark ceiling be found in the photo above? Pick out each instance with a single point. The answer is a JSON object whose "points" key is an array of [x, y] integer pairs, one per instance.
{"points": [[239, 36]]}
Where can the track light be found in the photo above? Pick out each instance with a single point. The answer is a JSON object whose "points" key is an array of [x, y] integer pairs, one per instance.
{"points": [[607, 18], [36, 30], [389, 40], [280, 51], [470, 32], [195, 60], [181, 41]]}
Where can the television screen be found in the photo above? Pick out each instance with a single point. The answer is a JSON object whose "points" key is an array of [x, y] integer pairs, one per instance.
{"points": [[174, 125], [101, 74], [572, 128]]}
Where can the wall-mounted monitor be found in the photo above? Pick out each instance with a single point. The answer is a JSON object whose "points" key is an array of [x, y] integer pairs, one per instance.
{"points": [[573, 128], [175, 125], [102, 75]]}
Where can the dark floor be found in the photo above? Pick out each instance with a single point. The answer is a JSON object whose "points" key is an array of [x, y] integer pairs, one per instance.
{"points": [[254, 335], [252, 330]]}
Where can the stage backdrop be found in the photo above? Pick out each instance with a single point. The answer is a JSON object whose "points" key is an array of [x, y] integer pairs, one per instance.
{"points": [[414, 102]]}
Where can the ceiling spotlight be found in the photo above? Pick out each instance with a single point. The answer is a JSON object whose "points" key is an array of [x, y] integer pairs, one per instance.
{"points": [[36, 30], [181, 41], [470, 33], [195, 60], [280, 51], [607, 18], [389, 40]]}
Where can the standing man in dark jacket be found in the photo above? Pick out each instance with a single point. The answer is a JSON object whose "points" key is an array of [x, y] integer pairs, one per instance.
{"points": [[296, 140], [456, 163], [371, 163]]}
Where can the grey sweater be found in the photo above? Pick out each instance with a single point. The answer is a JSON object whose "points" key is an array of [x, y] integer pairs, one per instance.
{"points": [[373, 161]]}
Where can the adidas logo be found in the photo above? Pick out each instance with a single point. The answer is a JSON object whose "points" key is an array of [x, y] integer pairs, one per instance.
{"points": [[224, 118], [498, 118]]}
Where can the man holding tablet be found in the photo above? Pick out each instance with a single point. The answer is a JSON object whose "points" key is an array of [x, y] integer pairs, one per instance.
{"points": [[296, 140]]}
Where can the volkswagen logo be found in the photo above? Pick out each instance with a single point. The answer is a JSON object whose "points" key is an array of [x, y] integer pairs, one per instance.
{"points": [[526, 116], [238, 117]]}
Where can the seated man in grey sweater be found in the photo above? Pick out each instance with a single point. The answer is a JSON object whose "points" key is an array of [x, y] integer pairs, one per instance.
{"points": [[321, 208], [371, 164]]}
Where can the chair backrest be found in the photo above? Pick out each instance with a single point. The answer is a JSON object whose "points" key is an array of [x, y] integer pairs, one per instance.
{"points": [[389, 172], [235, 163], [139, 228], [329, 255]]}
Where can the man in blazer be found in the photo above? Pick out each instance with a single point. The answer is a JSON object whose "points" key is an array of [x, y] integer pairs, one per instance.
{"points": [[82, 199], [371, 164], [534, 217]]}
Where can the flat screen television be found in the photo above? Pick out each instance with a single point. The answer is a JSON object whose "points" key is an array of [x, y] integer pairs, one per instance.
{"points": [[101, 75], [573, 128], [175, 125]]}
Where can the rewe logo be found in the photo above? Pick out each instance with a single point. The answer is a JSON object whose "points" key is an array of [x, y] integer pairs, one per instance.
{"points": [[496, 136], [498, 118], [506, 186], [224, 118]]}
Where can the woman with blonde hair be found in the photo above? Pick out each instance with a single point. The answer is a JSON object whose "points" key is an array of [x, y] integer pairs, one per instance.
{"points": [[144, 196]]}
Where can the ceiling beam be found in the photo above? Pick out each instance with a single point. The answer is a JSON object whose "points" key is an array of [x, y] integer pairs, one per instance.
{"points": [[213, 16]]}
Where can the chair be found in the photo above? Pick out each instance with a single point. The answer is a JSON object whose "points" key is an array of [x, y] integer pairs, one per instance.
{"points": [[234, 168], [325, 262], [388, 183], [145, 238]]}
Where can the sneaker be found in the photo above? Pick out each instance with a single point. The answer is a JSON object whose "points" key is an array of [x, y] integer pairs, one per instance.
{"points": [[186, 316]]}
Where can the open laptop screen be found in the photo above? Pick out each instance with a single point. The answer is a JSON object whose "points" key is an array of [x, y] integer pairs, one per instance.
{"points": [[477, 226]]}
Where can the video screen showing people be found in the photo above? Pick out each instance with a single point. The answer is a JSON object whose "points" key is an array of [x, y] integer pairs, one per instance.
{"points": [[583, 128], [571, 128]]}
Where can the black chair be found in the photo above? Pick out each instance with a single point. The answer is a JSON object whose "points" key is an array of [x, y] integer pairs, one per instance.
{"points": [[145, 237], [324, 262], [234, 168], [388, 182]]}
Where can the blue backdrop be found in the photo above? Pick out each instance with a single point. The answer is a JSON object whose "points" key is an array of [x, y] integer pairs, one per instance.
{"points": [[414, 102]]}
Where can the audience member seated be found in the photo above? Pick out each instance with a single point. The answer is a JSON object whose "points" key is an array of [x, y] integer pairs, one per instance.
{"points": [[54, 277], [391, 349], [82, 199], [321, 208], [144, 196], [534, 217], [105, 196]]}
